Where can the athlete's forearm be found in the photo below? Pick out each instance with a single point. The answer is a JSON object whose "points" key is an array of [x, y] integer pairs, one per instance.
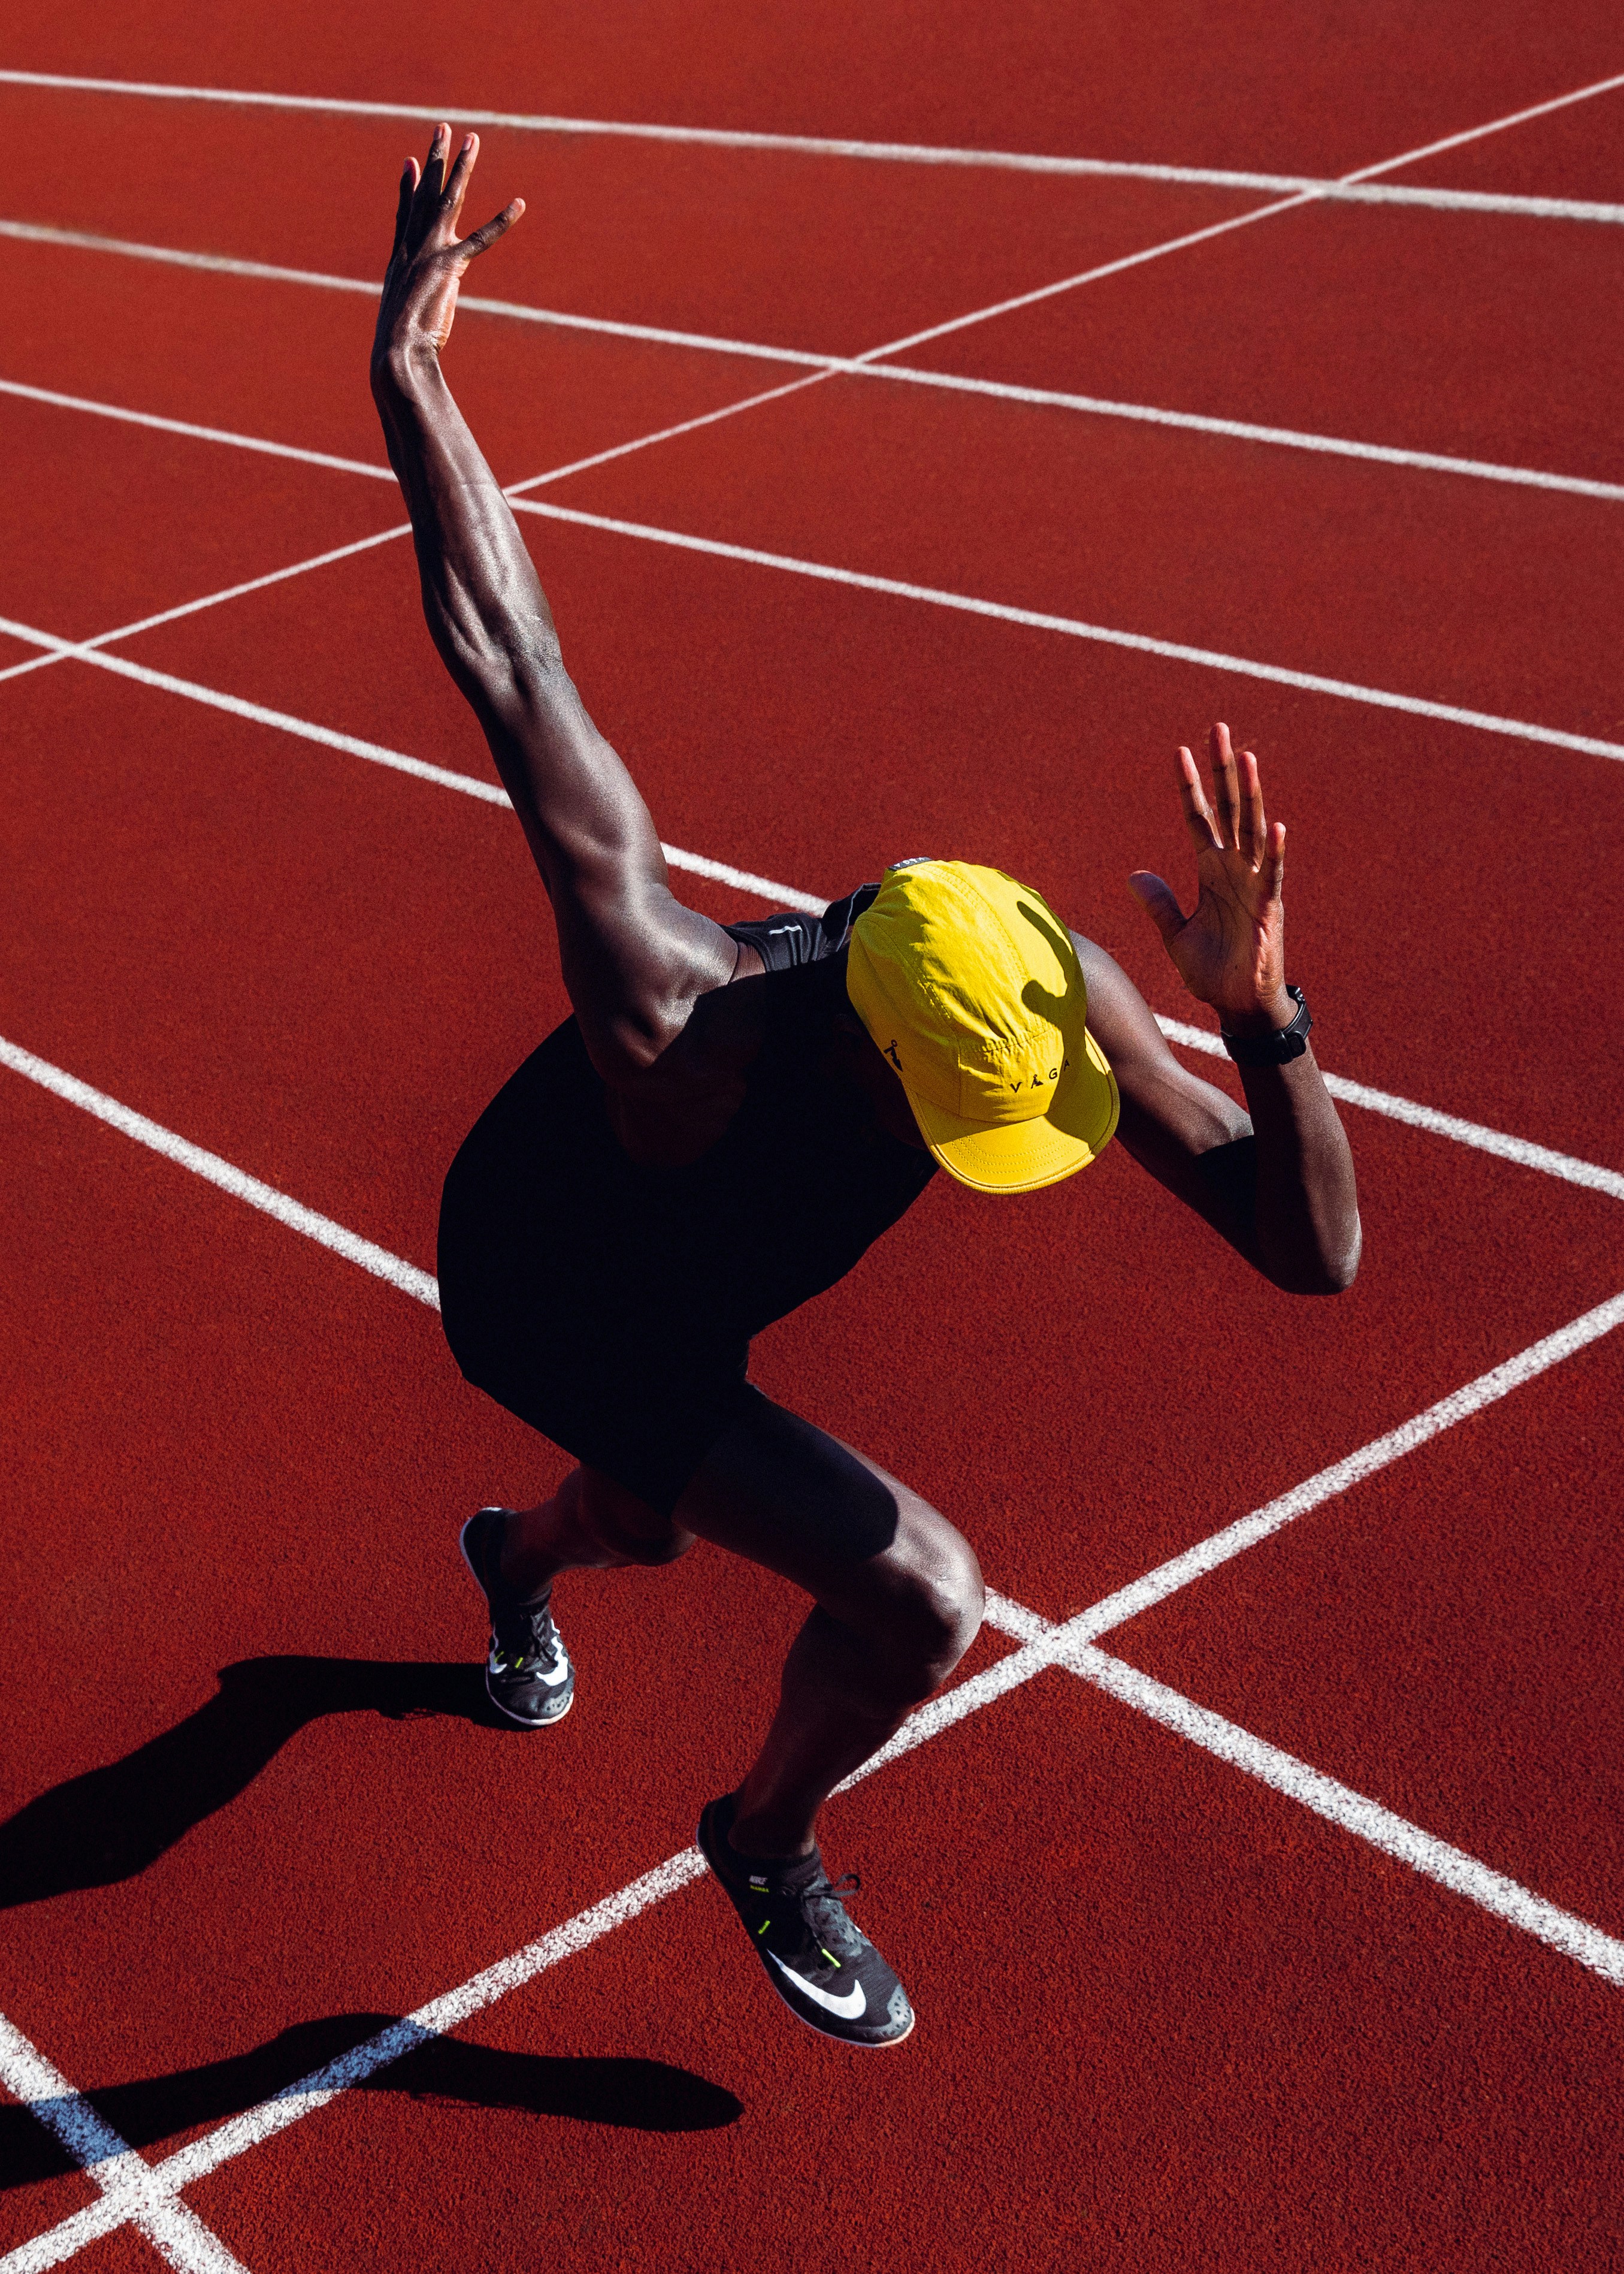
{"points": [[490, 619], [1304, 1203], [482, 598]]}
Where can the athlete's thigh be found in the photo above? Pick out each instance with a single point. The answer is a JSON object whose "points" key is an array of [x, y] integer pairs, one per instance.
{"points": [[783, 1493]]}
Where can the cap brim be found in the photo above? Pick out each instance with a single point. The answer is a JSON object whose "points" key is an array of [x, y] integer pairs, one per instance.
{"points": [[1022, 1157]]}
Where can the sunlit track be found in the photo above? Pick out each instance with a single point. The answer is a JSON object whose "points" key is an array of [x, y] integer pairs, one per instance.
{"points": [[148, 2195], [132, 2194], [822, 368], [1281, 1998], [1520, 1150], [1310, 683], [1359, 188], [384, 536], [1046, 398], [824, 572]]}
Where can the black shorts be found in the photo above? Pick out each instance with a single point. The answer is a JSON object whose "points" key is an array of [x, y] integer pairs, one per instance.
{"points": [[611, 1303], [642, 1393], [646, 1419]]}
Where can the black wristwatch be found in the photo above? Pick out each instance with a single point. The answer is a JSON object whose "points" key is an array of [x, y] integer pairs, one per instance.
{"points": [[1278, 1048]]}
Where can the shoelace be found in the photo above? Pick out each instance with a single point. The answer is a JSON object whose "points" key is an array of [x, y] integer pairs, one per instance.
{"points": [[541, 1643], [833, 1891], [849, 1883]]}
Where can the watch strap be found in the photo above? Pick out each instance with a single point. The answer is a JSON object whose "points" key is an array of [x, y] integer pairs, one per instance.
{"points": [[1278, 1048]]}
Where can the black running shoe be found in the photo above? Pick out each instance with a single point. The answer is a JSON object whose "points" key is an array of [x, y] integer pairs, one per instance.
{"points": [[528, 1675], [830, 1976]]}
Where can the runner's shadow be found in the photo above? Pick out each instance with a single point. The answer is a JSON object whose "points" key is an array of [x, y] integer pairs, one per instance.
{"points": [[641, 2095], [112, 1822]]}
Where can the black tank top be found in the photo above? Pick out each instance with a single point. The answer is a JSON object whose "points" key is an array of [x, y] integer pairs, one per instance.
{"points": [[598, 1249]]}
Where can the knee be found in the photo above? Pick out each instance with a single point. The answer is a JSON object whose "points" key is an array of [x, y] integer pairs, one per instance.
{"points": [[665, 1547], [623, 1528], [938, 1596]]}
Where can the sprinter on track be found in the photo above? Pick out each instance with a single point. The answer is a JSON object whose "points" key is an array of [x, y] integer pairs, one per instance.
{"points": [[733, 1115]]}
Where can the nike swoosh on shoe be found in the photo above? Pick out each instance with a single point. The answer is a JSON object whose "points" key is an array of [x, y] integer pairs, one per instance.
{"points": [[848, 2008], [494, 1664]]}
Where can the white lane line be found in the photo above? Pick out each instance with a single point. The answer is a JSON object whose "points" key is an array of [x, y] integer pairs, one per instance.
{"points": [[229, 1179], [1041, 1644], [1352, 1811], [196, 434], [822, 367], [435, 2019], [69, 651], [131, 2188], [259, 714], [1073, 627], [1240, 221], [1494, 126], [1472, 1397], [28, 232], [488, 793], [41, 2252], [387, 536], [762, 888], [1520, 1150], [918, 153], [266, 272], [1477, 1134], [274, 273], [1240, 430]]}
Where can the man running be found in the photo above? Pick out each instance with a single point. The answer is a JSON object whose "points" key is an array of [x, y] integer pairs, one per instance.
{"points": [[733, 1115]]}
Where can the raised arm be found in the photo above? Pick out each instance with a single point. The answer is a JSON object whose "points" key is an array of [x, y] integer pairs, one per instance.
{"points": [[633, 958], [1277, 1179]]}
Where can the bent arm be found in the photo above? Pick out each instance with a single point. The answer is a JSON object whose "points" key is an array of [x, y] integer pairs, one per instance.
{"points": [[633, 958], [1275, 1180]]}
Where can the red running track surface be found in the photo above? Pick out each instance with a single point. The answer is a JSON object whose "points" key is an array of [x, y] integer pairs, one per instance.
{"points": [[1170, 2017], [1163, 83], [1492, 339], [901, 726], [793, 251]]}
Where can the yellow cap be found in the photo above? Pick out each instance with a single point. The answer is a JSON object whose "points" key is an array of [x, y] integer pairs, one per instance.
{"points": [[971, 988]]}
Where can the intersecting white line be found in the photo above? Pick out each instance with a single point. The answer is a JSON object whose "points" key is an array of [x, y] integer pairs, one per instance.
{"points": [[1073, 627], [823, 572], [81, 648], [383, 536], [89, 406], [1367, 1820], [1144, 414], [179, 2237], [1353, 187], [1041, 1644], [814, 378], [130, 2189], [823, 368], [488, 793], [1520, 1150]]}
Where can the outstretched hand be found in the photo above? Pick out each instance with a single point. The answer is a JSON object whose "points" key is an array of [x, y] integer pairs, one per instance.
{"points": [[429, 259], [1230, 952]]}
